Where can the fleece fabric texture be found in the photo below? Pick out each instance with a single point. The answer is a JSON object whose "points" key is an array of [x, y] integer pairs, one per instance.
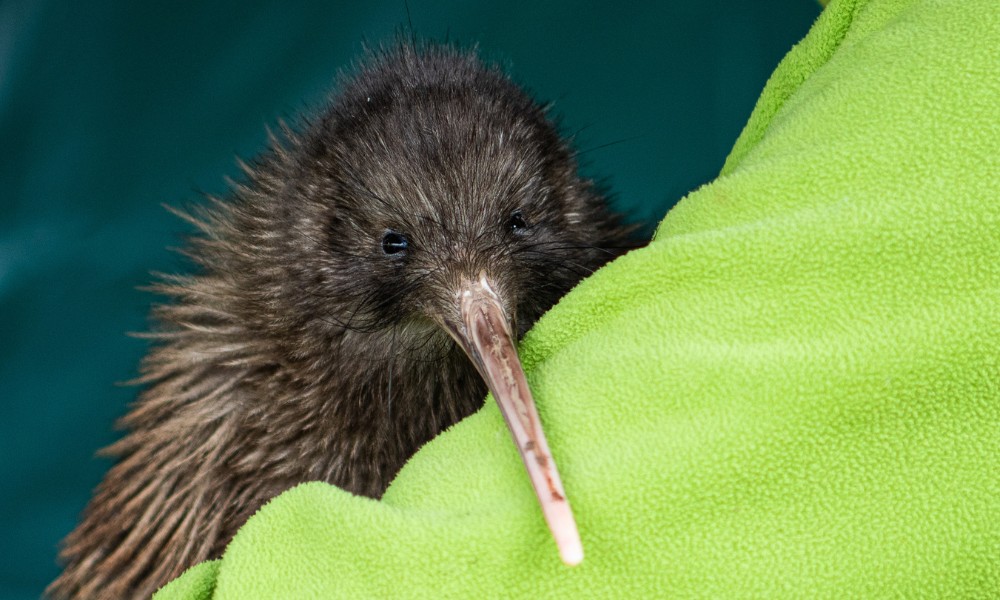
{"points": [[794, 391]]}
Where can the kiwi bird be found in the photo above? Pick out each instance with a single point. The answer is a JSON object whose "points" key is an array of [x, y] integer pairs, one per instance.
{"points": [[354, 294]]}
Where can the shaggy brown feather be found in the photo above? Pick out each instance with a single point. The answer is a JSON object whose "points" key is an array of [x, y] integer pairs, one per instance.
{"points": [[304, 348]]}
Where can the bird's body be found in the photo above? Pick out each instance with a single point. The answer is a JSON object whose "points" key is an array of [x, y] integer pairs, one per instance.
{"points": [[316, 341]]}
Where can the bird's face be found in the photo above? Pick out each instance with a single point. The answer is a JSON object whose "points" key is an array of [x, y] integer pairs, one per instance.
{"points": [[412, 200]]}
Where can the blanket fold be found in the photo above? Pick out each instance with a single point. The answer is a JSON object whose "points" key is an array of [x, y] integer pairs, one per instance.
{"points": [[793, 391]]}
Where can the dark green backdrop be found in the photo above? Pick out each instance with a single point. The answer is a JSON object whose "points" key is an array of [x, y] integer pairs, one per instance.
{"points": [[109, 109]]}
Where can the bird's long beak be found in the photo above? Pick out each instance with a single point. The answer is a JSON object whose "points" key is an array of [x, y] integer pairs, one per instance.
{"points": [[484, 332]]}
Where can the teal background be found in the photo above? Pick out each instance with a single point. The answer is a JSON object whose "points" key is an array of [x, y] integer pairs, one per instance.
{"points": [[109, 109]]}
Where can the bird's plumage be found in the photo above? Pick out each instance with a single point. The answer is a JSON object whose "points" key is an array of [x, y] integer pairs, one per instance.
{"points": [[307, 344]]}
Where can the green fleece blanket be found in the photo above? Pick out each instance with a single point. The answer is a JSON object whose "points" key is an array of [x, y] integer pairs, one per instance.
{"points": [[794, 391]]}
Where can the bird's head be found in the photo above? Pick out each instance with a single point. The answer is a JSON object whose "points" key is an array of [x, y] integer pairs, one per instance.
{"points": [[433, 204]]}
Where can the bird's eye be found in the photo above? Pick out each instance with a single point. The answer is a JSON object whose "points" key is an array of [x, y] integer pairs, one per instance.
{"points": [[516, 223], [394, 243]]}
